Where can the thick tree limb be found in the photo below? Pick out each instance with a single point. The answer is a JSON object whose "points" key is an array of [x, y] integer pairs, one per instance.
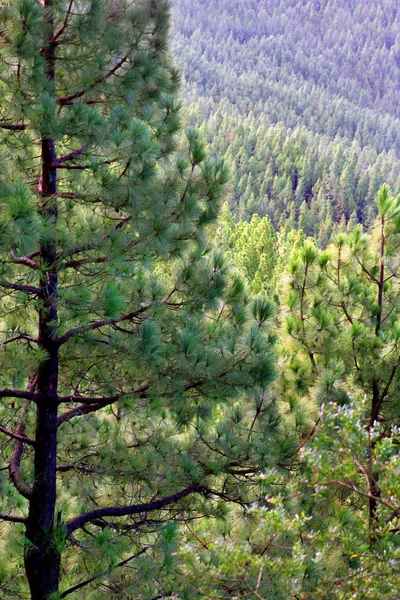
{"points": [[24, 260], [8, 393], [10, 127], [15, 472], [98, 324], [29, 289], [12, 518], [17, 436], [15, 464], [122, 511], [77, 587]]}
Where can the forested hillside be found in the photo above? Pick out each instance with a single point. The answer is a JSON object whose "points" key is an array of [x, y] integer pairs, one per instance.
{"points": [[196, 402], [314, 83]]}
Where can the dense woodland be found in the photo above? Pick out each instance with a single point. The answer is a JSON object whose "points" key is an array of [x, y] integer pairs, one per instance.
{"points": [[301, 98], [199, 300]]}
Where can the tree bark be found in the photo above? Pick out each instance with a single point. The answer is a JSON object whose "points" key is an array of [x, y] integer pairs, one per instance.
{"points": [[42, 556], [377, 399]]}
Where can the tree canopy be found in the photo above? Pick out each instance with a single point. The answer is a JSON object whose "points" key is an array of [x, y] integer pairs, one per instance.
{"points": [[199, 400], [128, 346]]}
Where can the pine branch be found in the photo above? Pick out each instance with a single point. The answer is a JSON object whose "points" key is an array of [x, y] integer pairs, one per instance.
{"points": [[8, 393], [98, 324], [99, 400], [77, 587], [122, 511], [72, 155], [24, 260], [64, 25], [12, 518], [88, 407], [28, 289], [67, 99], [22, 336], [17, 436], [10, 127], [15, 464]]}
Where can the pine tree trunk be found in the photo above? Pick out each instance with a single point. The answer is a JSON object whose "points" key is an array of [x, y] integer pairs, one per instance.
{"points": [[42, 557], [373, 474]]}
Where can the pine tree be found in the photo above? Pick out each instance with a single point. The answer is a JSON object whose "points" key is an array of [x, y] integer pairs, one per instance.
{"points": [[342, 320], [128, 349], [329, 528]]}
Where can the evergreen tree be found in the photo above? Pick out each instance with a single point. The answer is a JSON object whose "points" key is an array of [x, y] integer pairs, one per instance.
{"points": [[252, 247], [342, 319], [330, 527], [128, 349]]}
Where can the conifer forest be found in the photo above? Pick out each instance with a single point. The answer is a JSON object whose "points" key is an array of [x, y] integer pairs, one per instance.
{"points": [[199, 299]]}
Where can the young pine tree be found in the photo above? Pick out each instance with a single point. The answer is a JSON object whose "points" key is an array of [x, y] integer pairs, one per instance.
{"points": [[331, 528], [123, 336], [343, 342]]}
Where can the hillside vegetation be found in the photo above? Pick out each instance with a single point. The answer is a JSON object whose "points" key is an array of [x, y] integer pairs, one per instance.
{"points": [[301, 97]]}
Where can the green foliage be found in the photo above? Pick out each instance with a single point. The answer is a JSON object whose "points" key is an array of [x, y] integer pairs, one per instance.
{"points": [[159, 359], [160, 340], [252, 247], [331, 66], [307, 118], [309, 538], [328, 527], [19, 222]]}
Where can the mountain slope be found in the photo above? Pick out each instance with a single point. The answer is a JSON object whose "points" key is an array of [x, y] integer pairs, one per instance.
{"points": [[323, 71]]}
